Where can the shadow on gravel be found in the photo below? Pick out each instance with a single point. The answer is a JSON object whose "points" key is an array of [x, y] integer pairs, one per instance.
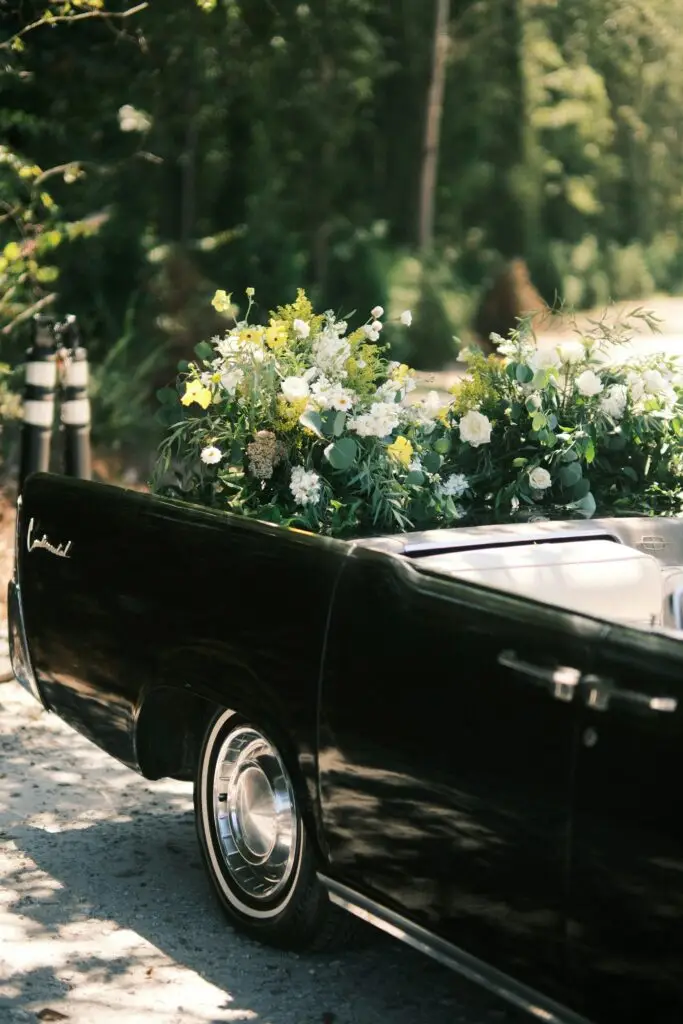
{"points": [[145, 877], [106, 903]]}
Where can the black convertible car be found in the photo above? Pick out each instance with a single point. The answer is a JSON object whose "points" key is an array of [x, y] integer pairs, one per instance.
{"points": [[472, 738]]}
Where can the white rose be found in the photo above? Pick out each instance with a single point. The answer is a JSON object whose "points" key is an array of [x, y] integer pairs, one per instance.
{"points": [[544, 359], [301, 328], [294, 388], [654, 382], [540, 479], [406, 318], [589, 384], [613, 402], [571, 351], [211, 455], [475, 428], [376, 312]]}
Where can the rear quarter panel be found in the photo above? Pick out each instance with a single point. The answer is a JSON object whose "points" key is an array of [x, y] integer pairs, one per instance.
{"points": [[156, 594]]}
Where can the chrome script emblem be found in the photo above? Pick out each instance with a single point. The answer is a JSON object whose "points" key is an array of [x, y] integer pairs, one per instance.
{"points": [[61, 550]]}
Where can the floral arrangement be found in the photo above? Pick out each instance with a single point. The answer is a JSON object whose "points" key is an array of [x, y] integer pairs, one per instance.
{"points": [[567, 429], [303, 422]]}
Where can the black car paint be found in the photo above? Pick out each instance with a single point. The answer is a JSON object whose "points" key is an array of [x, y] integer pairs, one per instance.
{"points": [[440, 784]]}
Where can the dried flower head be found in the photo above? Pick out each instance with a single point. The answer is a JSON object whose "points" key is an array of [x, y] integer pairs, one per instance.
{"points": [[264, 453]]}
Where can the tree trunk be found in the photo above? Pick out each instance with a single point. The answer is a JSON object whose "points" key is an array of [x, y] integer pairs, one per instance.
{"points": [[430, 155]]}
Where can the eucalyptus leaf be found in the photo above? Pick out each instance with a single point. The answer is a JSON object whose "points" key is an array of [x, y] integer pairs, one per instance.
{"points": [[515, 411], [204, 350], [442, 446], [415, 477], [511, 371], [342, 453], [524, 374], [313, 421], [167, 396], [586, 506], [432, 462], [339, 424], [540, 379], [570, 474], [580, 489]]}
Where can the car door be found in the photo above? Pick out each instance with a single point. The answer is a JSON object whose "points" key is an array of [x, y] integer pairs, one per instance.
{"points": [[627, 864], [446, 745]]}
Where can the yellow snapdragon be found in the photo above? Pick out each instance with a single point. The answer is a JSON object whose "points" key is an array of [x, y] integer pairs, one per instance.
{"points": [[401, 450], [195, 391]]}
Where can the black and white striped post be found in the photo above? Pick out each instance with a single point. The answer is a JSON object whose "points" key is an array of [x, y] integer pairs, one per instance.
{"points": [[39, 399], [75, 404]]}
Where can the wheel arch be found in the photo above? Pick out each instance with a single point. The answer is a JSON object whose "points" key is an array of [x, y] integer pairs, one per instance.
{"points": [[173, 716]]}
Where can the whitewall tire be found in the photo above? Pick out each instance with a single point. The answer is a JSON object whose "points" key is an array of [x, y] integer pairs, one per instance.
{"points": [[253, 839]]}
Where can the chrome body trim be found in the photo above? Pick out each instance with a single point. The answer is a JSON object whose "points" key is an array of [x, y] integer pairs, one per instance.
{"points": [[514, 992], [20, 657]]}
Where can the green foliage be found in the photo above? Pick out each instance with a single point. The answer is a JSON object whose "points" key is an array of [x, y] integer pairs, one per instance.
{"points": [[566, 429], [302, 423]]}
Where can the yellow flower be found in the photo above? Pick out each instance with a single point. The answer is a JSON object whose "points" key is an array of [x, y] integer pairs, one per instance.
{"points": [[401, 450], [276, 335], [252, 335], [221, 301], [196, 392]]}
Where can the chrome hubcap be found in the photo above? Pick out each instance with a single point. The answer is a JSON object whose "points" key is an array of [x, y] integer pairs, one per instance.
{"points": [[254, 813]]}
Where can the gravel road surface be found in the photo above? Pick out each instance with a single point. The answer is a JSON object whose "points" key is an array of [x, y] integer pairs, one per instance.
{"points": [[106, 916]]}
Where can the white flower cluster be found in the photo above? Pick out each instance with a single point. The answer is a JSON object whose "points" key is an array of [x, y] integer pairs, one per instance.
{"points": [[379, 421], [305, 486], [331, 350], [329, 395], [453, 486]]}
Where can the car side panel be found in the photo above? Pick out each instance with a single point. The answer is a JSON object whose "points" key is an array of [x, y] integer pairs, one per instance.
{"points": [[446, 779], [157, 594]]}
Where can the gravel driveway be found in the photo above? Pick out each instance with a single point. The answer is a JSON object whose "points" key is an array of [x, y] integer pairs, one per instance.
{"points": [[106, 916]]}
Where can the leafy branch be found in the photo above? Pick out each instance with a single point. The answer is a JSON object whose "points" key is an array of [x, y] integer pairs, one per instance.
{"points": [[15, 42]]}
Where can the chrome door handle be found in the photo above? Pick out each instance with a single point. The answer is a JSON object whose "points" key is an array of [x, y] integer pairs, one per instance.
{"points": [[602, 693], [561, 681]]}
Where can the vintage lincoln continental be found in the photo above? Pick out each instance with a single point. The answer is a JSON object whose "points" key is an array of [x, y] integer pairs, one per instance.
{"points": [[472, 738]]}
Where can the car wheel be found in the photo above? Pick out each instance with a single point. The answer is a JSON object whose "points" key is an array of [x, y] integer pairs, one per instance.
{"points": [[253, 839]]}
